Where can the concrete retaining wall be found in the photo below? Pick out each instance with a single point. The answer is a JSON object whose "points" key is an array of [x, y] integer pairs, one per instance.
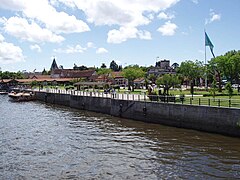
{"points": [[211, 119]]}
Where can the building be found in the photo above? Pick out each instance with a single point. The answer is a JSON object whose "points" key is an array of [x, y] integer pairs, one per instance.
{"points": [[162, 67], [71, 73]]}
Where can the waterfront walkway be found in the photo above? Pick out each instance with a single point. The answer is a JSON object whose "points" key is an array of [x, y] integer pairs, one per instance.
{"points": [[198, 100]]}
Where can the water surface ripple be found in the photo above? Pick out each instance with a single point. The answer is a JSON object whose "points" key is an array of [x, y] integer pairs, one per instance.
{"points": [[43, 141]]}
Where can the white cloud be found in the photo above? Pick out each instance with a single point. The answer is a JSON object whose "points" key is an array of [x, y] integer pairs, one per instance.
{"points": [[9, 53], [101, 51], [213, 17], [118, 36], [1, 38], [121, 35], [44, 12], [163, 15], [144, 35], [90, 45], [168, 29], [71, 49], [20, 28], [121, 12], [128, 15], [36, 47], [195, 1], [15, 5]]}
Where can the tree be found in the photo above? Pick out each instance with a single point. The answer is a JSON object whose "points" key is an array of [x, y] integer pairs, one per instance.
{"points": [[167, 81], [229, 89], [114, 66], [175, 66], [44, 72], [81, 68], [227, 65], [152, 78], [192, 71], [11, 75], [213, 88], [103, 66], [131, 73], [216, 68], [104, 72]]}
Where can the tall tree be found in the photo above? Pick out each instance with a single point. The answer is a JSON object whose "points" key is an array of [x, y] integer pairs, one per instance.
{"points": [[228, 66], [114, 66], [131, 73], [192, 71], [216, 68], [168, 81]]}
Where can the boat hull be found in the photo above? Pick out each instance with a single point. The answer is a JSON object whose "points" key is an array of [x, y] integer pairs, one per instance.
{"points": [[21, 96]]}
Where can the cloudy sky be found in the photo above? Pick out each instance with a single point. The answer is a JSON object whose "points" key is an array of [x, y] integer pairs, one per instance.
{"points": [[92, 32]]}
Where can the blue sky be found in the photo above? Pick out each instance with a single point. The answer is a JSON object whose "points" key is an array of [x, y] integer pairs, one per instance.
{"points": [[92, 32]]}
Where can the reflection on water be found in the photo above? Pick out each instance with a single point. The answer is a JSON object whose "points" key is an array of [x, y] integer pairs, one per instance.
{"points": [[43, 141]]}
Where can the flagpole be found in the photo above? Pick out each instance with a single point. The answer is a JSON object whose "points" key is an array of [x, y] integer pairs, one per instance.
{"points": [[206, 84]]}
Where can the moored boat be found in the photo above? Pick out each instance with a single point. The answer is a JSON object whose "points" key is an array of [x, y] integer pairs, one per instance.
{"points": [[21, 96], [3, 92]]}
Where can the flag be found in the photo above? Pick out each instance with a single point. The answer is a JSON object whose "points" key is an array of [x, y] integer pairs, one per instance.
{"points": [[209, 43]]}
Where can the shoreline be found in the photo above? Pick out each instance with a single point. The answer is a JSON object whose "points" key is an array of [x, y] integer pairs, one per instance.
{"points": [[220, 120]]}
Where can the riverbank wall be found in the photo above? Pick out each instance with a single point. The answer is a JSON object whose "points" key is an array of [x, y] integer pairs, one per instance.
{"points": [[220, 120]]}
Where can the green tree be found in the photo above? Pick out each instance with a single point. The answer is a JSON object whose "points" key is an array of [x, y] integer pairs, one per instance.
{"points": [[217, 67], [104, 72], [229, 89], [131, 73], [227, 65], [103, 66], [213, 88], [11, 75], [192, 71], [167, 81], [81, 68], [114, 66], [152, 78]]}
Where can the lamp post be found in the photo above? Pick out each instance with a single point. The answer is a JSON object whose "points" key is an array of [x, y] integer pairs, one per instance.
{"points": [[156, 61]]}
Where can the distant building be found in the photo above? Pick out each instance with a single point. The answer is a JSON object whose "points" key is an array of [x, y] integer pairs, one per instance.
{"points": [[163, 64], [71, 73], [162, 67]]}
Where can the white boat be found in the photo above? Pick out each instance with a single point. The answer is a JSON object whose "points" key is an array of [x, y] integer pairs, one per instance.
{"points": [[3, 92], [21, 96]]}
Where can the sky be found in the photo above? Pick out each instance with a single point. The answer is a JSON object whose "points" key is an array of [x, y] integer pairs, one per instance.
{"points": [[92, 32]]}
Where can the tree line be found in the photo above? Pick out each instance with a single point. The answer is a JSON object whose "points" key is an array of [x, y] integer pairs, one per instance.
{"points": [[193, 73]]}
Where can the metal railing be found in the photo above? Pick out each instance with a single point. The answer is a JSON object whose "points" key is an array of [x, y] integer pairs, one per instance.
{"points": [[186, 100]]}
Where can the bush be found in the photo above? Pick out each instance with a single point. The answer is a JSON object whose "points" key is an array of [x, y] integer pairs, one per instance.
{"points": [[69, 87]]}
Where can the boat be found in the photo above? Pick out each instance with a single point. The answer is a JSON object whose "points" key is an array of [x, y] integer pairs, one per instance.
{"points": [[21, 96], [3, 92]]}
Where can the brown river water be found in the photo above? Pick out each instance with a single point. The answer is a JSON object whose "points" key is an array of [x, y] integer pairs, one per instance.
{"points": [[44, 141]]}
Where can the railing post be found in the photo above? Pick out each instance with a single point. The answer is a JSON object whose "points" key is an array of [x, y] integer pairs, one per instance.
{"points": [[191, 101], [229, 103], [199, 101], [209, 102], [218, 102]]}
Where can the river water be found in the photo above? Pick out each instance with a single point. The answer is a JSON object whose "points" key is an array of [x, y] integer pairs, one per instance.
{"points": [[44, 141]]}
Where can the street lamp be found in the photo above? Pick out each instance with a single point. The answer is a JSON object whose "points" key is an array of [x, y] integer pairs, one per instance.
{"points": [[156, 61]]}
